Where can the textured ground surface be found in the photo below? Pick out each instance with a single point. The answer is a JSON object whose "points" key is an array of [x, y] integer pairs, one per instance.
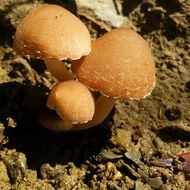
{"points": [[137, 147]]}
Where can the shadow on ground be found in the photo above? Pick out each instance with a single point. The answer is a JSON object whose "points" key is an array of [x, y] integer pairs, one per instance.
{"points": [[22, 104]]}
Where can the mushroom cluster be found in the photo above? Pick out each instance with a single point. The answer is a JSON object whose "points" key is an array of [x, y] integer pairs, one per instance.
{"points": [[119, 64]]}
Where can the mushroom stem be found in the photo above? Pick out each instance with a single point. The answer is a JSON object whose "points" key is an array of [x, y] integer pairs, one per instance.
{"points": [[53, 122], [58, 69], [103, 107]]}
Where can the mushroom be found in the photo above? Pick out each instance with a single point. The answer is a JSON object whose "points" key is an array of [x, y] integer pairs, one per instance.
{"points": [[120, 65], [73, 103], [52, 33]]}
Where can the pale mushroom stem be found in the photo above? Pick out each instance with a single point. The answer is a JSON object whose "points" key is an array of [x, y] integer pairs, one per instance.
{"points": [[53, 122], [103, 107], [58, 69]]}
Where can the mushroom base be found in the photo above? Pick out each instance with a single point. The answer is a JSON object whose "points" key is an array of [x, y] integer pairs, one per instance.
{"points": [[50, 120]]}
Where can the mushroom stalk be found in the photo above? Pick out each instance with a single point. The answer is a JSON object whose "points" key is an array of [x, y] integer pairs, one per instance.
{"points": [[53, 122], [103, 107], [58, 69]]}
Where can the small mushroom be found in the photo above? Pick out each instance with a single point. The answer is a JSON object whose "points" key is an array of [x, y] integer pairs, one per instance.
{"points": [[73, 103], [102, 106], [120, 65], [52, 33]]}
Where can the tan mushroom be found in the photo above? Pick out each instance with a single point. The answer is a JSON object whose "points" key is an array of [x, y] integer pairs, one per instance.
{"points": [[52, 121], [52, 33], [73, 103], [120, 65]]}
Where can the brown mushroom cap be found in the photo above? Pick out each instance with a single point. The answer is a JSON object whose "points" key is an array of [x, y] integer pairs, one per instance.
{"points": [[120, 65], [72, 101], [52, 32]]}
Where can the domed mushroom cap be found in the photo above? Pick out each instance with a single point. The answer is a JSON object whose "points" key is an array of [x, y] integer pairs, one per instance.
{"points": [[52, 32], [120, 65], [72, 101]]}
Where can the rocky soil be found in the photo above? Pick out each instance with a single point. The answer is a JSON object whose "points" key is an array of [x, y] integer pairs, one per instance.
{"points": [[138, 147]]}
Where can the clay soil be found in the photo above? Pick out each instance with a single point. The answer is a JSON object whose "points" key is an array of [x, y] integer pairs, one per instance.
{"points": [[137, 147]]}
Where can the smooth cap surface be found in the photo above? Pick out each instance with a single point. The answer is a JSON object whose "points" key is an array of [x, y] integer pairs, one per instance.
{"points": [[72, 101], [52, 32], [120, 65]]}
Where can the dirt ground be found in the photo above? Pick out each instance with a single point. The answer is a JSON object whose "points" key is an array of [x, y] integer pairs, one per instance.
{"points": [[139, 144]]}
